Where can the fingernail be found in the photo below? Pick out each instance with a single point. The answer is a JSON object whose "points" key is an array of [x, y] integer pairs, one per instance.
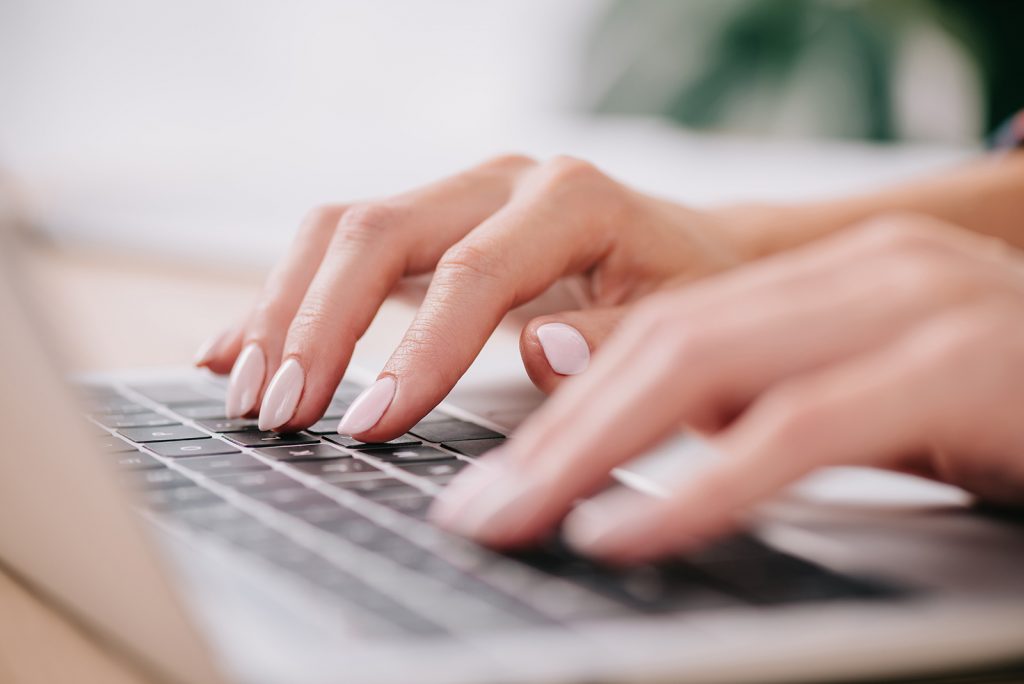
{"points": [[498, 509], [205, 352], [282, 395], [368, 407], [461, 491], [619, 525], [246, 380], [565, 348]]}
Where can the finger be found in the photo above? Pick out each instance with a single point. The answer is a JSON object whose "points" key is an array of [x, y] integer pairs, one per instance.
{"points": [[263, 333], [878, 409], [219, 352], [680, 361], [552, 227], [373, 246], [559, 345]]}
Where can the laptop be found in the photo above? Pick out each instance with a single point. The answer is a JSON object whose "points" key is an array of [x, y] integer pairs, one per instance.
{"points": [[208, 551]]}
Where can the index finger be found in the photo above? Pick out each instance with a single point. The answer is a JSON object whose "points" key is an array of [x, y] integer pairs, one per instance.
{"points": [[510, 258]]}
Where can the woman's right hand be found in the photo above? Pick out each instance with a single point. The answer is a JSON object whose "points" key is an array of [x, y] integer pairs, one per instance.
{"points": [[495, 236]]}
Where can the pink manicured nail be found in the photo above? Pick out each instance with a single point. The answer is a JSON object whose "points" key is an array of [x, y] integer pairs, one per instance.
{"points": [[368, 407], [282, 395], [205, 350], [565, 348], [246, 380]]}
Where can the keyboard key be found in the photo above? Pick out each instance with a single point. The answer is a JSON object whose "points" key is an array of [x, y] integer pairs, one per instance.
{"points": [[341, 470], [131, 420], [310, 452], [324, 426], [113, 445], [136, 461], [378, 488], [178, 498], [436, 417], [346, 441], [229, 424], [781, 578], [193, 447], [414, 454], [168, 433], [158, 479], [259, 480], [115, 405], [296, 498], [474, 447], [452, 431], [413, 506], [176, 393], [202, 411], [442, 468], [256, 438], [225, 463]]}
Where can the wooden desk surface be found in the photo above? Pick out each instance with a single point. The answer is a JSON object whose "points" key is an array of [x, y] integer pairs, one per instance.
{"points": [[126, 312]]}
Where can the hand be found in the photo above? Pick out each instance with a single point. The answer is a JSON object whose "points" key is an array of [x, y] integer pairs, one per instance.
{"points": [[495, 236], [899, 344]]}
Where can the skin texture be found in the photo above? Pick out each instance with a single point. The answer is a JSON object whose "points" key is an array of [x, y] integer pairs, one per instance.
{"points": [[841, 338], [495, 237], [913, 374]]}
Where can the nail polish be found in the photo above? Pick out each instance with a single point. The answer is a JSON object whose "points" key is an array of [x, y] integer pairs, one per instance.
{"points": [[499, 508], [205, 351], [246, 381], [282, 395], [564, 347], [368, 407]]}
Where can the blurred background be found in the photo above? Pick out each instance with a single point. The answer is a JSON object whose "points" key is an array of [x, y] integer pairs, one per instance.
{"points": [[206, 128]]}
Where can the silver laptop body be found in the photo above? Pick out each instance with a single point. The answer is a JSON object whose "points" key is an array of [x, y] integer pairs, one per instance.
{"points": [[204, 572]]}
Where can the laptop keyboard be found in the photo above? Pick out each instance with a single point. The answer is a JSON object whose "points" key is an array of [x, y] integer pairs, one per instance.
{"points": [[349, 520]]}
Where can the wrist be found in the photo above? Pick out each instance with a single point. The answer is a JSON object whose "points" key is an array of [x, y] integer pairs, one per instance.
{"points": [[757, 230]]}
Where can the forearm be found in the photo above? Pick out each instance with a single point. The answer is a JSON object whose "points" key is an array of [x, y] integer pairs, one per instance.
{"points": [[986, 196]]}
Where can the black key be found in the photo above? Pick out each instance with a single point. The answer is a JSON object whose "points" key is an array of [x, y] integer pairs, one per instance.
{"points": [[258, 480], [412, 506], [115, 405], [310, 452], [225, 463], [452, 431], [781, 578], [175, 393], [202, 411], [413, 454], [256, 438], [474, 447], [345, 441], [378, 488], [181, 498], [344, 469], [132, 420], [296, 498], [192, 447], [158, 479], [325, 426], [136, 461], [438, 469], [229, 424], [169, 433], [436, 417], [113, 445]]}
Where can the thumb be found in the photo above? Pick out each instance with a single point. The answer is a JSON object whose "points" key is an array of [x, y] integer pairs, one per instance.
{"points": [[559, 345]]}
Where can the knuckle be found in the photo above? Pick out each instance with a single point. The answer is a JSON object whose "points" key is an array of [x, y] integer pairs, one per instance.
{"points": [[363, 223], [508, 160], [467, 261], [906, 232], [564, 171]]}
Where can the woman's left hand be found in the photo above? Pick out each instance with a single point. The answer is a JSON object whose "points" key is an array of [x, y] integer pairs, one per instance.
{"points": [[898, 344]]}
